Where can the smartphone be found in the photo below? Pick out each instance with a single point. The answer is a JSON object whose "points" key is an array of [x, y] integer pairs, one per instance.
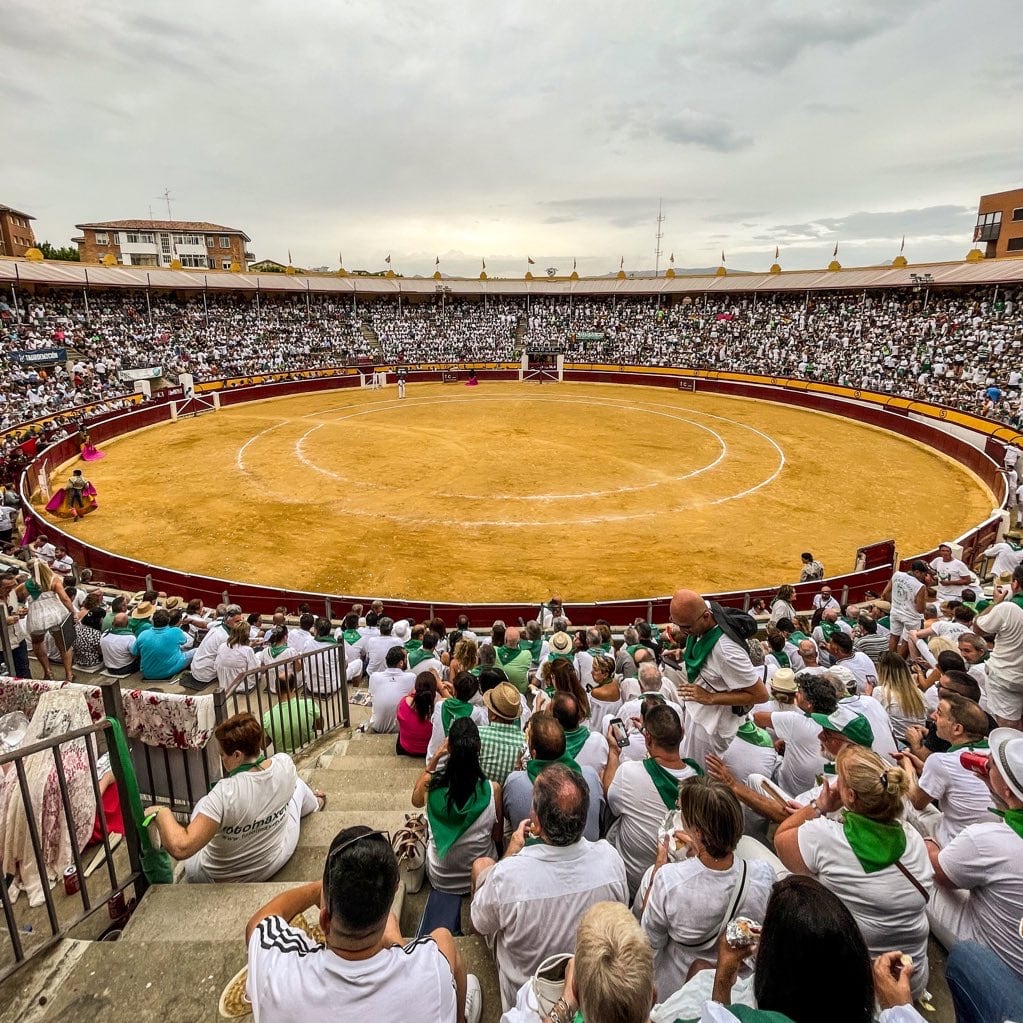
{"points": [[619, 732]]}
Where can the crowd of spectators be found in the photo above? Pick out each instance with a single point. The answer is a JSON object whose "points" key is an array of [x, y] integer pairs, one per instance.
{"points": [[959, 347]]}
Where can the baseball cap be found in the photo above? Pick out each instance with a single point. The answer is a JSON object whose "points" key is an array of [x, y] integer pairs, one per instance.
{"points": [[1007, 752], [855, 727]]}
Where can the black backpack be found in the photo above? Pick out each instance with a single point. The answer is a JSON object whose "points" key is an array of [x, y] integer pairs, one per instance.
{"points": [[735, 624]]}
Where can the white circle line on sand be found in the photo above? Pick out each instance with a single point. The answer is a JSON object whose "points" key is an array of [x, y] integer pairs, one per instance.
{"points": [[722, 445], [504, 523], [239, 457]]}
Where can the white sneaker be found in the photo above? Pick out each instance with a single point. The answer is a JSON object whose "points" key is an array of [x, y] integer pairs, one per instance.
{"points": [[473, 999]]}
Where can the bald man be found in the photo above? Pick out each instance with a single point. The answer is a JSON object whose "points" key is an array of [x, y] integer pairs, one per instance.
{"points": [[721, 676]]}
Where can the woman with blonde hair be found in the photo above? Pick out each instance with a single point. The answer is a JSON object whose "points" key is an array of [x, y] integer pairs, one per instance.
{"points": [[48, 609], [606, 694], [898, 693], [560, 676], [870, 858], [464, 658]]}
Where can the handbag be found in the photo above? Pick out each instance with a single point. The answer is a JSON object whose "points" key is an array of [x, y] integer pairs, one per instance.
{"points": [[548, 982], [737, 896]]}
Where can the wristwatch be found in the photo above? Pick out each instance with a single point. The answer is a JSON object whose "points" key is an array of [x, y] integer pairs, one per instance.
{"points": [[816, 806]]}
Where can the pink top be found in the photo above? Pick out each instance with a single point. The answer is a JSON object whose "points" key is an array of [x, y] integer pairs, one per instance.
{"points": [[413, 734]]}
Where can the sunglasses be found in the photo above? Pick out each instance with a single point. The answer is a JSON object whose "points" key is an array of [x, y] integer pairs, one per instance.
{"points": [[348, 843]]}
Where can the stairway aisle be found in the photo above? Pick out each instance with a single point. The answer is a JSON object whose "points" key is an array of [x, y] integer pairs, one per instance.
{"points": [[185, 942]]}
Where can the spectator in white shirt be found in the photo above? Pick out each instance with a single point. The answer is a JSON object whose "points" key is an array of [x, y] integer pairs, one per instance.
{"points": [[388, 688], [377, 646]]}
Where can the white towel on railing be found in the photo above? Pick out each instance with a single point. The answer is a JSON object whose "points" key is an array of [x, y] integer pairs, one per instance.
{"points": [[59, 710], [171, 720]]}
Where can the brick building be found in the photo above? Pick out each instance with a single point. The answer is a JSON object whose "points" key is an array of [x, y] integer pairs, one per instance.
{"points": [[1000, 224], [16, 236], [158, 242]]}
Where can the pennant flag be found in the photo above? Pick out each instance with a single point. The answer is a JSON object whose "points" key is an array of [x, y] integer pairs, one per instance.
{"points": [[621, 265], [672, 258], [484, 264], [436, 262], [776, 253], [388, 259], [340, 259], [573, 262], [530, 261], [834, 255], [903, 245], [289, 257], [722, 255]]}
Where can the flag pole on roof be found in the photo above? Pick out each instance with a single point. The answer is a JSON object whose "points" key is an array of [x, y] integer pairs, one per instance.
{"points": [[903, 245]]}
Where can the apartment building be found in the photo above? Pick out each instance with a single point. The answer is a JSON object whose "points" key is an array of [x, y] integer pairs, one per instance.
{"points": [[16, 235], [195, 243], [1000, 223]]}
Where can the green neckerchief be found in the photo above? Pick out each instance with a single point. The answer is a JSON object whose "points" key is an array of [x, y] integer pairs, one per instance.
{"points": [[665, 782], [886, 622], [749, 732], [876, 845], [1015, 546], [575, 740], [119, 632], [828, 629], [414, 644], [448, 822], [607, 647], [451, 710], [747, 1014], [1017, 599], [247, 767], [849, 621], [477, 671], [979, 744], [560, 657], [34, 589], [533, 646], [697, 651], [596, 651], [797, 637], [534, 767], [505, 654], [351, 636], [276, 651], [782, 658], [418, 656], [633, 647], [325, 639], [1014, 818]]}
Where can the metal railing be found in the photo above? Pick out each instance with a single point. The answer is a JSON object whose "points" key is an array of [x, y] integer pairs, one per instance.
{"points": [[179, 778], [91, 895], [319, 675]]}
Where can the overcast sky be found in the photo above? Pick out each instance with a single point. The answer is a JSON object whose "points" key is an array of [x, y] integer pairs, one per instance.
{"points": [[470, 130]]}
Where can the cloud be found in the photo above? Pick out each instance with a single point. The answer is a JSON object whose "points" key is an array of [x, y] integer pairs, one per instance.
{"points": [[871, 226], [829, 109], [619, 211], [693, 128]]}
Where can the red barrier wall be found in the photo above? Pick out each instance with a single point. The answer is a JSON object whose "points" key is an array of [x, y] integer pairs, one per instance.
{"points": [[876, 559]]}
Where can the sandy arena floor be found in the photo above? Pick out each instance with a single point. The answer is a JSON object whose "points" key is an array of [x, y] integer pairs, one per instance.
{"points": [[507, 491]]}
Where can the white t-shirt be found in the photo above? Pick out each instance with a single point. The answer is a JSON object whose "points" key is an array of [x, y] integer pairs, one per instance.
{"points": [[376, 652], [1004, 621], [905, 587], [880, 723], [744, 758], [232, 661], [251, 808], [949, 630], [987, 859], [593, 753], [1006, 559], [962, 797], [946, 570], [886, 904], [437, 737], [634, 800], [293, 978], [688, 902], [727, 668], [204, 664], [899, 718], [803, 759], [862, 667], [388, 688]]}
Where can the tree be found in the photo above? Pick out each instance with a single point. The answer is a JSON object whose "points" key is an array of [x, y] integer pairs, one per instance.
{"points": [[69, 253]]}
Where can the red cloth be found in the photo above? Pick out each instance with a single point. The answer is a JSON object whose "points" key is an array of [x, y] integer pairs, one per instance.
{"points": [[112, 810], [413, 734]]}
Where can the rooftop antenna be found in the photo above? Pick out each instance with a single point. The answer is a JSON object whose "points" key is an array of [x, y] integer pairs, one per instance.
{"points": [[166, 197], [658, 236]]}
